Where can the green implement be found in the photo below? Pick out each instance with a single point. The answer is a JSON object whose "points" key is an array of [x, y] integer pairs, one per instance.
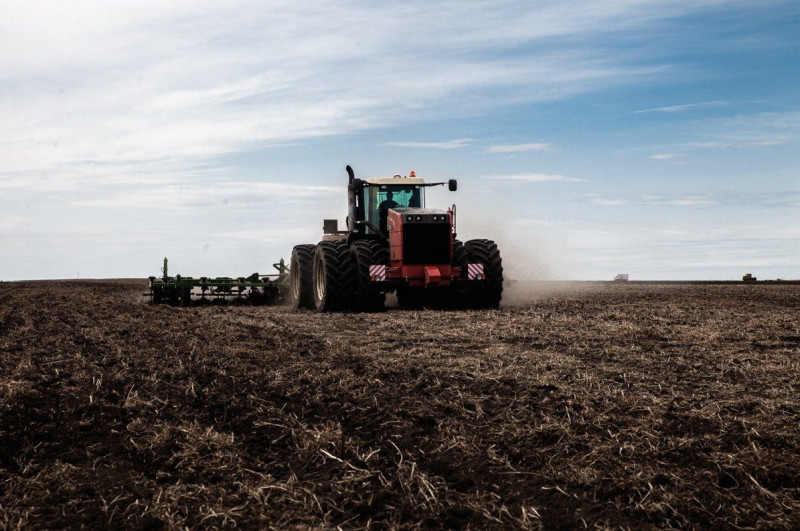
{"points": [[184, 291]]}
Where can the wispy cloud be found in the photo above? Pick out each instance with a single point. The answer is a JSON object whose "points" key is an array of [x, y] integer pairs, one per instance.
{"points": [[748, 131], [537, 178], [227, 195], [150, 84], [519, 148], [784, 199], [451, 144], [685, 107], [736, 144], [656, 200], [664, 156], [598, 199]]}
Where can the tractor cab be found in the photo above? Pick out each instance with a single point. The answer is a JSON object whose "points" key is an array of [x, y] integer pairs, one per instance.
{"points": [[396, 193]]}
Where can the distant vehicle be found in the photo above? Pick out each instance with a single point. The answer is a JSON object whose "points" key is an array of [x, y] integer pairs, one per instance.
{"points": [[622, 277], [749, 278]]}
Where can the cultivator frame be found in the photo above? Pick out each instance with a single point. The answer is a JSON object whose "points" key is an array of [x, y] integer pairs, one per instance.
{"points": [[184, 291]]}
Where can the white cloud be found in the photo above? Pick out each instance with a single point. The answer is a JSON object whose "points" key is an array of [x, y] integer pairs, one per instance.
{"points": [[685, 107], [536, 178], [227, 195], [451, 144], [681, 200], [597, 199], [747, 131], [137, 82], [664, 156], [518, 148]]}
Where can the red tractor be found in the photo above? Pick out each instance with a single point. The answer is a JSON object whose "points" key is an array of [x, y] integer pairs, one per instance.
{"points": [[394, 244]]}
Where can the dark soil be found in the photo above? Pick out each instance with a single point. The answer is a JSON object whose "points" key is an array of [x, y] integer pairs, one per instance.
{"points": [[610, 405]]}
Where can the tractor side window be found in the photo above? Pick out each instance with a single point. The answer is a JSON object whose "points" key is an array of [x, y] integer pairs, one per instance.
{"points": [[414, 197]]}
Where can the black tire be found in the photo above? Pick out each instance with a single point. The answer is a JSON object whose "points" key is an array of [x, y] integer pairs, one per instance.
{"points": [[269, 295], [365, 253], [333, 277], [460, 292], [172, 296], [488, 292], [158, 295], [301, 277], [186, 296], [460, 257]]}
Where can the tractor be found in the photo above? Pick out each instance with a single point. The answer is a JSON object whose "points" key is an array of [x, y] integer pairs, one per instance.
{"points": [[394, 244]]}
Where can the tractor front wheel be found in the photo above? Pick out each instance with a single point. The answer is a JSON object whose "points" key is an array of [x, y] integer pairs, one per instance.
{"points": [[333, 277], [486, 293]]}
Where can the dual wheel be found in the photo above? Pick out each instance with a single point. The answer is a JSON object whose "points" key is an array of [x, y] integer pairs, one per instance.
{"points": [[334, 276]]}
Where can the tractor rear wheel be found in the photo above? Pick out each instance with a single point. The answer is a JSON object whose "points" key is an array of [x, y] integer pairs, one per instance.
{"points": [[333, 277], [301, 276], [486, 293], [366, 253]]}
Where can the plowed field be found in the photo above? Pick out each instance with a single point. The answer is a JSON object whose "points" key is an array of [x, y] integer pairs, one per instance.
{"points": [[624, 405]]}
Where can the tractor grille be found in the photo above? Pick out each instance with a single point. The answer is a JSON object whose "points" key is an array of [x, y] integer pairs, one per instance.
{"points": [[426, 243]]}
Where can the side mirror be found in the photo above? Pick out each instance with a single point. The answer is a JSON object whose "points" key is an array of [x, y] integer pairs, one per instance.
{"points": [[452, 185]]}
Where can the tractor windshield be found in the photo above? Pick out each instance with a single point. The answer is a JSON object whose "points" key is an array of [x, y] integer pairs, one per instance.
{"points": [[381, 198]]}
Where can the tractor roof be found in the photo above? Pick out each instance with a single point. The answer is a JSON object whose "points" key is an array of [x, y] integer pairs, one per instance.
{"points": [[398, 180]]}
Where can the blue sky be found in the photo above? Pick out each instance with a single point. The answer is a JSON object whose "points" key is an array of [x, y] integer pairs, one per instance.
{"points": [[654, 138]]}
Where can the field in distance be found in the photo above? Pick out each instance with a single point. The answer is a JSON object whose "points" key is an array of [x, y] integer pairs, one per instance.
{"points": [[613, 404]]}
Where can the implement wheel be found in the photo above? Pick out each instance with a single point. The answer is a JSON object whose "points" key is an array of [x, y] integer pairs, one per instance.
{"points": [[158, 294], [173, 297], [186, 296], [333, 277], [486, 293], [365, 253], [301, 276]]}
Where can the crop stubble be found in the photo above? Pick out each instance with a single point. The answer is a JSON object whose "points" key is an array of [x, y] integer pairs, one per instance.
{"points": [[632, 405]]}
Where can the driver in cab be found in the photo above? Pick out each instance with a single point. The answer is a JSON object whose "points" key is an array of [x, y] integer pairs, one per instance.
{"points": [[383, 210]]}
